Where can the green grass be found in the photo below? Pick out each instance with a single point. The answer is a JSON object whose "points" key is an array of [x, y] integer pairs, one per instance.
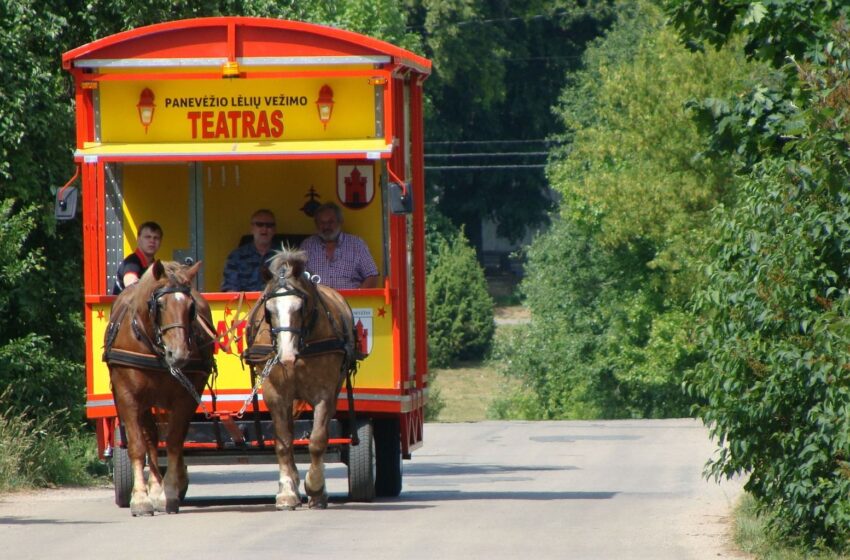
{"points": [[753, 537], [467, 391], [45, 452]]}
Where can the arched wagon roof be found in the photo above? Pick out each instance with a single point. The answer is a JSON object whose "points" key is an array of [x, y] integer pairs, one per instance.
{"points": [[205, 42]]}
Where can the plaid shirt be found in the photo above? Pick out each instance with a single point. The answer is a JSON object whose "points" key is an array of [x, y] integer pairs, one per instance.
{"points": [[242, 270], [350, 266]]}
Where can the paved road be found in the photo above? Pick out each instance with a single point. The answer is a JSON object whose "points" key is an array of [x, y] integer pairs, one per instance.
{"points": [[528, 490]]}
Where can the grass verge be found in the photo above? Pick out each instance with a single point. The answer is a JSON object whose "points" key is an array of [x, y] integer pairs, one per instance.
{"points": [[753, 537], [467, 391], [43, 453]]}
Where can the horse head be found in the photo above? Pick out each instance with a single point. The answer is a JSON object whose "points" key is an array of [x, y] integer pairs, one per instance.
{"points": [[171, 309], [289, 301]]}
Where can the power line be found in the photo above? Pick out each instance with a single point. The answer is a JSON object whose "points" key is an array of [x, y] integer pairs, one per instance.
{"points": [[533, 17], [489, 154], [537, 141], [480, 167]]}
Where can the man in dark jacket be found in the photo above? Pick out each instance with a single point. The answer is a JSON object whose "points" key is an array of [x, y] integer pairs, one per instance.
{"points": [[148, 240], [243, 265]]}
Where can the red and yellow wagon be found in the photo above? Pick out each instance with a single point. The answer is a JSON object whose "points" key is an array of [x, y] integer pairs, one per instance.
{"points": [[195, 124]]}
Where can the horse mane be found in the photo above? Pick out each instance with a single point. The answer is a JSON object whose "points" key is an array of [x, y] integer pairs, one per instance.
{"points": [[288, 263], [175, 275]]}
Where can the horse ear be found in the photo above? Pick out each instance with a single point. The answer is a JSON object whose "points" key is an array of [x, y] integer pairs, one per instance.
{"points": [[158, 270], [193, 270], [297, 268], [266, 274]]}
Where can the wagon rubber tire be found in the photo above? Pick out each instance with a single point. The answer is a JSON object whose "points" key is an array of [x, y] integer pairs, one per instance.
{"points": [[388, 460], [361, 464], [122, 476]]}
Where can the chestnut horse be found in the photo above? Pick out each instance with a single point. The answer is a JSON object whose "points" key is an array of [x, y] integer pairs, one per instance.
{"points": [[310, 330], [159, 353]]}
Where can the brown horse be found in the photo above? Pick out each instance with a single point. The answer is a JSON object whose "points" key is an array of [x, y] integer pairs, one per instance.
{"points": [[159, 355], [311, 331]]}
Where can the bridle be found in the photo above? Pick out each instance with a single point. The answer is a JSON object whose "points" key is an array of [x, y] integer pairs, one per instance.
{"points": [[308, 317], [153, 310]]}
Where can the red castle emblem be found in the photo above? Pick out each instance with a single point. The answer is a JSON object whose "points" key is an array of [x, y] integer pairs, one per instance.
{"points": [[355, 184]]}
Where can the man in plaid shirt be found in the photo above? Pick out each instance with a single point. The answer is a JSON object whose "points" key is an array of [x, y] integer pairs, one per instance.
{"points": [[341, 260]]}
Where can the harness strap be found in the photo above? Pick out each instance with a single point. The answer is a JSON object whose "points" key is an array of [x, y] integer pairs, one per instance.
{"points": [[141, 334], [258, 353], [114, 326], [351, 369], [128, 358], [324, 346]]}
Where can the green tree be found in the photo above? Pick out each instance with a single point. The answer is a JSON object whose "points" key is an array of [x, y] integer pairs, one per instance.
{"points": [[608, 287], [498, 68], [774, 311], [776, 333]]}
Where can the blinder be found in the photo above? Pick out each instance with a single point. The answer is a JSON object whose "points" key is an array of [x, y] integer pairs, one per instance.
{"points": [[153, 310], [285, 289]]}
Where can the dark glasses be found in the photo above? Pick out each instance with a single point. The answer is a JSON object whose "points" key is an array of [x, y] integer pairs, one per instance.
{"points": [[264, 224]]}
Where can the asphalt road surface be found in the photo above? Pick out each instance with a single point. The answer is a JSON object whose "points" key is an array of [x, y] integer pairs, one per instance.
{"points": [[490, 490]]}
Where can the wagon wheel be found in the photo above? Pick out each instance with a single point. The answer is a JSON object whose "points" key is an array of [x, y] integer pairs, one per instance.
{"points": [[122, 473], [361, 464], [388, 473]]}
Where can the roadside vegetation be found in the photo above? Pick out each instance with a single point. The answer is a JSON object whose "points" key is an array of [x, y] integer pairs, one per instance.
{"points": [[696, 262], [752, 535]]}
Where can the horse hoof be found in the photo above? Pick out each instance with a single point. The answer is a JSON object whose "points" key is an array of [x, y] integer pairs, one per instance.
{"points": [[172, 506], [287, 503], [141, 510], [318, 502]]}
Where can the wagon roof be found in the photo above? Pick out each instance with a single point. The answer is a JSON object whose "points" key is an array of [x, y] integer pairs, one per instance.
{"points": [[247, 40]]}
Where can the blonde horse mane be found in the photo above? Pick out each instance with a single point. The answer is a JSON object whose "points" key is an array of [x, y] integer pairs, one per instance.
{"points": [[288, 263]]}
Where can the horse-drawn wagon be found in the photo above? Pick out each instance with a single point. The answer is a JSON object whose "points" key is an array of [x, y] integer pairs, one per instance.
{"points": [[197, 123]]}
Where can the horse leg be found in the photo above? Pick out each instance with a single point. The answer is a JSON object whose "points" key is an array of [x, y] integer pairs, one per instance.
{"points": [[288, 496], [151, 434], [140, 503], [176, 479], [314, 483]]}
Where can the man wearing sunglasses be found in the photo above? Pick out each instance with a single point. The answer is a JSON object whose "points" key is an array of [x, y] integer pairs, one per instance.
{"points": [[242, 269]]}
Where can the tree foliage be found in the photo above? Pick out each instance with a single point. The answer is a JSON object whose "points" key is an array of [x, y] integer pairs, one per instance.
{"points": [[608, 285], [774, 311], [774, 29], [498, 69]]}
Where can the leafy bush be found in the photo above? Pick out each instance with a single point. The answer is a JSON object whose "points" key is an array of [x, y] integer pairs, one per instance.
{"points": [[777, 330], [44, 451], [460, 311], [776, 319], [42, 378]]}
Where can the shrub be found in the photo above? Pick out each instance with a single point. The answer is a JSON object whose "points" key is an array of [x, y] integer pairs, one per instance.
{"points": [[460, 311], [776, 328], [44, 451], [776, 333]]}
